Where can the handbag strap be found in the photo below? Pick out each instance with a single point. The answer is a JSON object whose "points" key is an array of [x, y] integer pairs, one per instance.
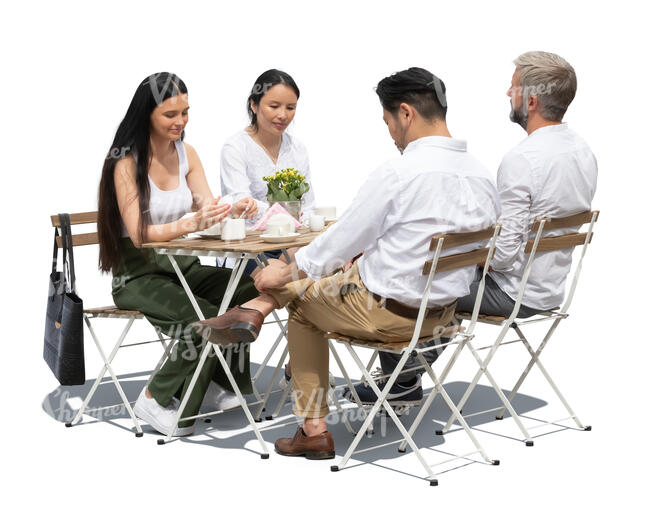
{"points": [[64, 252], [70, 253], [55, 255]]}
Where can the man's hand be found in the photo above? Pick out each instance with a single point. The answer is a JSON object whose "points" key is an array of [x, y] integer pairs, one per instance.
{"points": [[274, 276]]}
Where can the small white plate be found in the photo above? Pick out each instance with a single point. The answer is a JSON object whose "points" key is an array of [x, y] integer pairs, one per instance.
{"points": [[330, 219], [290, 237]]}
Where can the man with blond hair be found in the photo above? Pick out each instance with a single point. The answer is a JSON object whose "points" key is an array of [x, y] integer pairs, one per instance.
{"points": [[551, 173]]}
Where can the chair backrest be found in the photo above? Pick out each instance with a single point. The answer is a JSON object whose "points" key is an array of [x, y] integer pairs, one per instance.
{"points": [[563, 241], [82, 239], [452, 240], [539, 244], [437, 264]]}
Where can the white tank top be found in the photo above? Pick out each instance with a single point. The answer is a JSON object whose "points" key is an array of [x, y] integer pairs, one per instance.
{"points": [[169, 206]]}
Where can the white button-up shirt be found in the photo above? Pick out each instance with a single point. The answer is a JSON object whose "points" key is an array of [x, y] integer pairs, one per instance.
{"points": [[551, 173], [434, 187], [244, 163]]}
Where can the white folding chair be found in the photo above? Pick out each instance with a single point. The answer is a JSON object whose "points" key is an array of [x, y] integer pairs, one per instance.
{"points": [[435, 265], [108, 312], [533, 247]]}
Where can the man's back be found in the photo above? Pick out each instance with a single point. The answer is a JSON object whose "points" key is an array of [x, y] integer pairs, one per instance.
{"points": [[434, 187], [551, 173]]}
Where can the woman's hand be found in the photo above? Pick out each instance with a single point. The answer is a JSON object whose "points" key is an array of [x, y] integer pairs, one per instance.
{"points": [[210, 213], [246, 206]]}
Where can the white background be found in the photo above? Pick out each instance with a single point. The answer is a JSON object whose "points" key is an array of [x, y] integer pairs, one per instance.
{"points": [[69, 71]]}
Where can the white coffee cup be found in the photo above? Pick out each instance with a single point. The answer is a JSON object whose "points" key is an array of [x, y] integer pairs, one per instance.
{"points": [[233, 229], [327, 212], [279, 225], [316, 222]]}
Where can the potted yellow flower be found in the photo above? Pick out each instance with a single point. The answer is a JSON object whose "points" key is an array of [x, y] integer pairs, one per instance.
{"points": [[287, 187]]}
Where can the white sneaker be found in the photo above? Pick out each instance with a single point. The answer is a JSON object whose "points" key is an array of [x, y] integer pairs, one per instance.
{"points": [[218, 398], [159, 417]]}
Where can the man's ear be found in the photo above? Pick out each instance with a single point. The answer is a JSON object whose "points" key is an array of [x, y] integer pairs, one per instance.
{"points": [[533, 104], [406, 111]]}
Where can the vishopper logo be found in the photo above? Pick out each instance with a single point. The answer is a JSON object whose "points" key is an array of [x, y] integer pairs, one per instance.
{"points": [[118, 282], [261, 88], [534, 90], [118, 153], [436, 85], [58, 405], [311, 406], [170, 84], [190, 350]]}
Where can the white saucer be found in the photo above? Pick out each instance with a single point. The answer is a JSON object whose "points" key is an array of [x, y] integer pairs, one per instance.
{"points": [[330, 219], [290, 237]]}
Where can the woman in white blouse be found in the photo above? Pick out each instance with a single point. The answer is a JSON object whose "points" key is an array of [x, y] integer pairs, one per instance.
{"points": [[265, 147]]}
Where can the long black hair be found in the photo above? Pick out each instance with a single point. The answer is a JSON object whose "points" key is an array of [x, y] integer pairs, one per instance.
{"points": [[265, 82], [417, 87], [131, 138]]}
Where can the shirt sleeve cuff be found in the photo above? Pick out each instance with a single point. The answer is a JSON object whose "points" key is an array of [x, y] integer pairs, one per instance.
{"points": [[306, 266]]}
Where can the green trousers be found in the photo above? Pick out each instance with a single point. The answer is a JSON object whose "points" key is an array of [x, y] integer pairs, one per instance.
{"points": [[147, 282]]}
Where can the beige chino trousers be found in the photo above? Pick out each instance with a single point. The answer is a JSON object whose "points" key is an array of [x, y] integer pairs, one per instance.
{"points": [[316, 308]]}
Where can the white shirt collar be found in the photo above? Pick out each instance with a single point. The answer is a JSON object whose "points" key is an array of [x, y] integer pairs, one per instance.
{"points": [[436, 140], [551, 128]]}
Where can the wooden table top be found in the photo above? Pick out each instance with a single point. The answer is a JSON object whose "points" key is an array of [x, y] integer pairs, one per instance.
{"points": [[253, 243]]}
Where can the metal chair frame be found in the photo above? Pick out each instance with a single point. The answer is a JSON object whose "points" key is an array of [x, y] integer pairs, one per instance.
{"points": [[534, 246], [436, 264]]}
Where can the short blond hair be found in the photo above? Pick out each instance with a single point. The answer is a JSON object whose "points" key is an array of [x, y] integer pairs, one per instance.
{"points": [[551, 79]]}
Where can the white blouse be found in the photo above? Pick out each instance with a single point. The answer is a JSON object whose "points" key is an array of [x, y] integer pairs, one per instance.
{"points": [[244, 163]]}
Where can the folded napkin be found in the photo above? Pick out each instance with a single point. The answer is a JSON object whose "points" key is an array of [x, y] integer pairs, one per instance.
{"points": [[275, 209]]}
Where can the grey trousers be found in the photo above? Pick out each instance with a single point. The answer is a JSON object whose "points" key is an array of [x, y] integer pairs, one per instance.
{"points": [[494, 302]]}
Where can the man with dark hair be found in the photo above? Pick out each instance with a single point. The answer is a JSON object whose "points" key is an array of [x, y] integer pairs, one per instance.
{"points": [[551, 173], [434, 187]]}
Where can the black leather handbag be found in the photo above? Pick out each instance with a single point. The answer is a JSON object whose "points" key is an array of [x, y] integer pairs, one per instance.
{"points": [[63, 347]]}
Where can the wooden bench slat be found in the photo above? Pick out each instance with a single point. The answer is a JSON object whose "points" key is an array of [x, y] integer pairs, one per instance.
{"points": [[560, 242], [458, 239], [82, 239], [567, 222], [111, 310], [450, 262], [80, 218]]}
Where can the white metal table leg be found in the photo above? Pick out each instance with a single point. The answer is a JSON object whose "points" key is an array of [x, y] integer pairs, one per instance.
{"points": [[235, 276]]}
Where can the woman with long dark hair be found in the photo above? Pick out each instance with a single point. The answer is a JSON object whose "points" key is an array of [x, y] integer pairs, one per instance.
{"points": [[150, 180], [265, 147]]}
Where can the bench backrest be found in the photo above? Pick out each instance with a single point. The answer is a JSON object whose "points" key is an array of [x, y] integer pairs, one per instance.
{"points": [[563, 241], [82, 239], [452, 240]]}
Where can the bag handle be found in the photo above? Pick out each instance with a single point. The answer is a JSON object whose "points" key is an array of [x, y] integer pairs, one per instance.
{"points": [[55, 255], [64, 247], [70, 253]]}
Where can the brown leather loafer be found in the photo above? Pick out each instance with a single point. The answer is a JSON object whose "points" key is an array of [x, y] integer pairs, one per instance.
{"points": [[235, 326], [318, 447]]}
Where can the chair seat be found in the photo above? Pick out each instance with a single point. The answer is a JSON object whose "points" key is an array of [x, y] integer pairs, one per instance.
{"points": [[112, 311], [494, 319], [392, 347]]}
